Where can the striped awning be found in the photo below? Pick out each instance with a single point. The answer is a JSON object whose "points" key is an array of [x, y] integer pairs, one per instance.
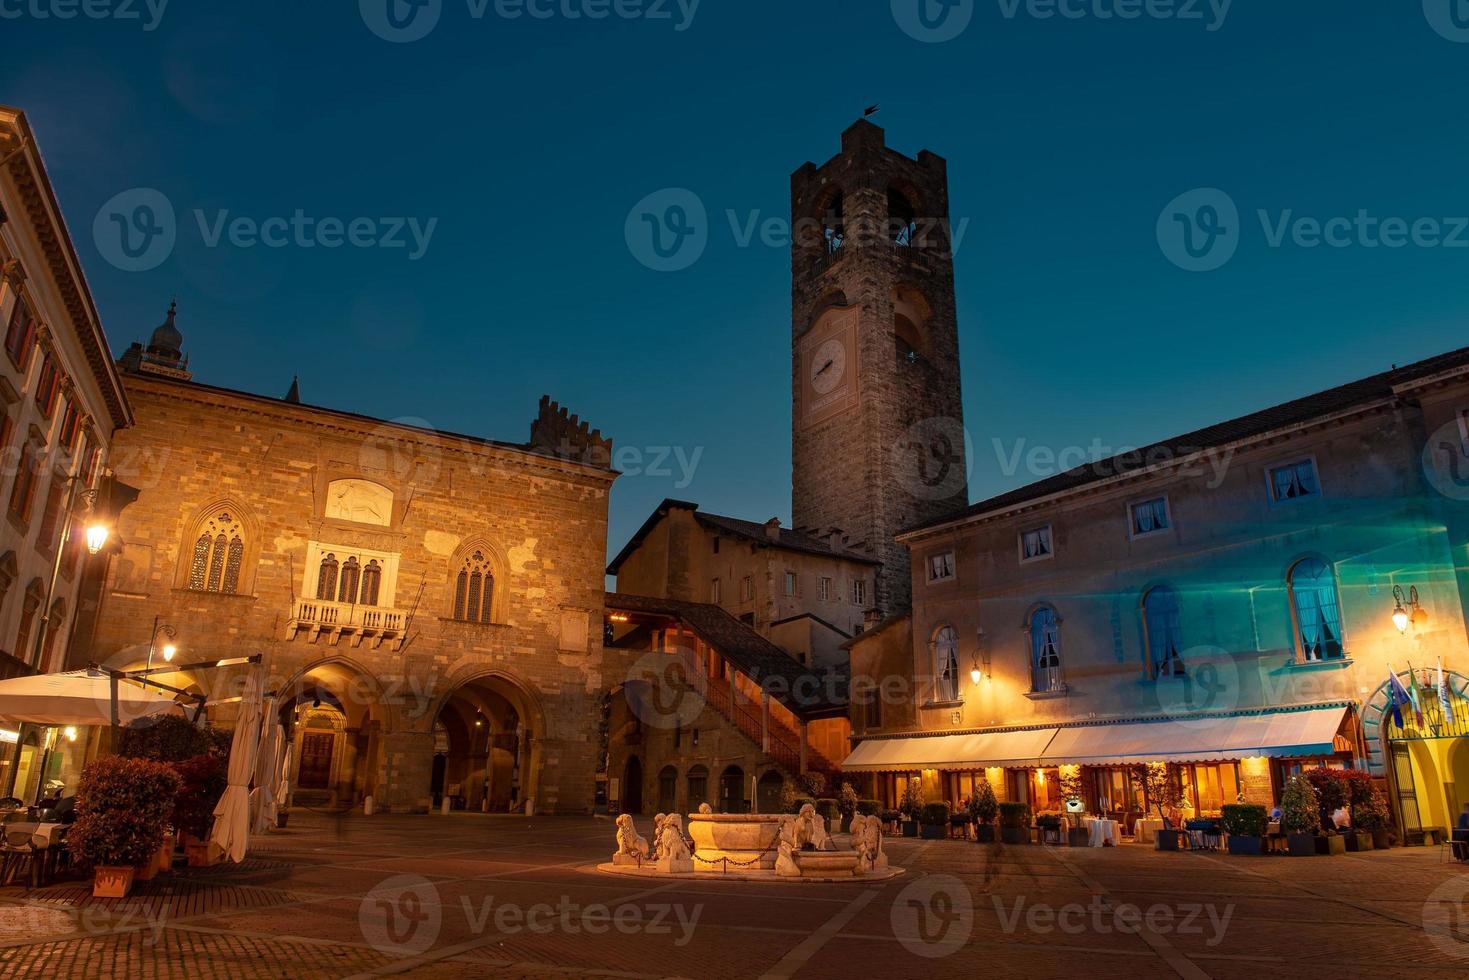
{"points": [[1279, 734], [973, 751]]}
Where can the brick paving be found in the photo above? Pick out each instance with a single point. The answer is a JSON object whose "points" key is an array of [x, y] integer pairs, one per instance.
{"points": [[470, 896]]}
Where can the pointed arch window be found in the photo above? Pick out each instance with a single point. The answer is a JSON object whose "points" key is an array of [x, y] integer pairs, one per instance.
{"points": [[372, 582], [1045, 651], [326, 578], [8, 573], [1162, 631], [1317, 612], [945, 644], [474, 589], [351, 575], [218, 554], [35, 595]]}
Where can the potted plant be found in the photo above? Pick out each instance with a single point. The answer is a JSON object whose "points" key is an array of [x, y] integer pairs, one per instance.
{"points": [[984, 807], [1300, 816], [910, 805], [1372, 818], [1015, 823], [847, 801], [1369, 811], [202, 781], [1244, 827], [1163, 792], [123, 808], [935, 820], [890, 819]]}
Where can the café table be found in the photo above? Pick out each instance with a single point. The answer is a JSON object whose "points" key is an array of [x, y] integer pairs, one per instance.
{"points": [[1147, 829], [1101, 832]]}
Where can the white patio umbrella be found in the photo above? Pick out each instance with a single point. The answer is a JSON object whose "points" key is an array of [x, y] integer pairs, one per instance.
{"points": [[79, 697], [231, 832], [267, 775]]}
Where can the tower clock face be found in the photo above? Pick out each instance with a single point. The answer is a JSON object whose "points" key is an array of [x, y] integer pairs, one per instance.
{"points": [[828, 366]]}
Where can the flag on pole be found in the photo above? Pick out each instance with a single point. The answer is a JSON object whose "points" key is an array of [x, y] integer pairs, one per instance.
{"points": [[1413, 696], [1443, 695], [1396, 696]]}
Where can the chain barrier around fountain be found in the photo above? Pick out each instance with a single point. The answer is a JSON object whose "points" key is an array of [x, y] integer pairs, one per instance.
{"points": [[760, 847]]}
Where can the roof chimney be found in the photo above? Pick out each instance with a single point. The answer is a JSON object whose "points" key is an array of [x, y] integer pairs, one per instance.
{"points": [[772, 529]]}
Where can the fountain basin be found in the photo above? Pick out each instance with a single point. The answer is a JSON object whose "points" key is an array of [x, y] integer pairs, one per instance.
{"points": [[742, 837]]}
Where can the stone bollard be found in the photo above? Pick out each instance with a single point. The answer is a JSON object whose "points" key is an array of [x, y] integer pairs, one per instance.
{"points": [[367, 806], [444, 806]]}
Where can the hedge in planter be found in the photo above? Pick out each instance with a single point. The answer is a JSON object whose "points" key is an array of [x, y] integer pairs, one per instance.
{"points": [[1300, 816], [935, 820], [983, 807], [1245, 824], [123, 809], [911, 805], [1015, 823]]}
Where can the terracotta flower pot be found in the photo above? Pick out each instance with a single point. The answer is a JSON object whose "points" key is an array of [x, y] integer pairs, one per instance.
{"points": [[112, 882], [198, 855], [148, 870]]}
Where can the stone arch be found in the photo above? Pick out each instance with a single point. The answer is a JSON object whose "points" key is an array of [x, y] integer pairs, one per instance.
{"points": [[250, 538], [905, 224], [479, 555], [496, 726], [912, 314], [828, 220], [1377, 719], [335, 714]]}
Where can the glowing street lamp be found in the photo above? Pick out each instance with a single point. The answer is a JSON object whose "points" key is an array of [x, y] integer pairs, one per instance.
{"points": [[1402, 617], [96, 538]]}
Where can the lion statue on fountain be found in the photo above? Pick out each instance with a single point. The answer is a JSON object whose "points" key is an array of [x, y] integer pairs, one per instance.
{"points": [[632, 847]]}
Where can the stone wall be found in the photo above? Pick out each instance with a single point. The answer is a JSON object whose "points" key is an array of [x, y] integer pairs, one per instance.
{"points": [[540, 521]]}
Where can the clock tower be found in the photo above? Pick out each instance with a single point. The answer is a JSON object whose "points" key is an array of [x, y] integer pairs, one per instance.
{"points": [[878, 437]]}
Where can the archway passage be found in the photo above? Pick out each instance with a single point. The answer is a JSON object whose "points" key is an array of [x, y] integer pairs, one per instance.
{"points": [[485, 748], [732, 791], [768, 792], [632, 786], [331, 715]]}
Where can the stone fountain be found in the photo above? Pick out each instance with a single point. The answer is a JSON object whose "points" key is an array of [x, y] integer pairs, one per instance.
{"points": [[752, 847]]}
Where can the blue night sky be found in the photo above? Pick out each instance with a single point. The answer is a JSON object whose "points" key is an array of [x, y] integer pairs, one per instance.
{"points": [[531, 140]]}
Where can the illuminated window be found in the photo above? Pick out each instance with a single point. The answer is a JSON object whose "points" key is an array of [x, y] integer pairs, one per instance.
{"points": [[1162, 631], [1045, 651], [1317, 616]]}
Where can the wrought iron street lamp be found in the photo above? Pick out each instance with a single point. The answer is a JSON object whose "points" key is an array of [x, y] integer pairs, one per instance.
{"points": [[168, 650], [96, 536], [1402, 617]]}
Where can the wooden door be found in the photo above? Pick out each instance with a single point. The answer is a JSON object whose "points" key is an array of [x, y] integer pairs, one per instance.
{"points": [[316, 760]]}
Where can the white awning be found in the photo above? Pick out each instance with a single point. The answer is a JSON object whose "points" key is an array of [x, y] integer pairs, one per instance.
{"points": [[1278, 734], [78, 697], [974, 751]]}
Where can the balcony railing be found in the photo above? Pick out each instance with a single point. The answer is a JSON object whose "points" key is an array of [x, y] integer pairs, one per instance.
{"points": [[321, 617]]}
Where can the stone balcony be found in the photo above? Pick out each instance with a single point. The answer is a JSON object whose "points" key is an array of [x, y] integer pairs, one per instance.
{"points": [[317, 619]]}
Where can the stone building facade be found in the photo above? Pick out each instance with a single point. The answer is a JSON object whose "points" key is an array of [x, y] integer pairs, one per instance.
{"points": [[429, 606], [877, 438], [805, 594], [1224, 601], [62, 402]]}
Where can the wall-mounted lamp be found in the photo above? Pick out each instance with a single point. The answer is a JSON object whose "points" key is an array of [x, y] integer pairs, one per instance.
{"points": [[980, 671], [1412, 614]]}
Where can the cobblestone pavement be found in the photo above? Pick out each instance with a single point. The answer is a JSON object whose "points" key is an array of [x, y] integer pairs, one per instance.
{"points": [[470, 896]]}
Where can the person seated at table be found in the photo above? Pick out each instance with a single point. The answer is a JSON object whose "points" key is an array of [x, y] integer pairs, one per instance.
{"points": [[1464, 818], [1342, 818], [1275, 813], [65, 810]]}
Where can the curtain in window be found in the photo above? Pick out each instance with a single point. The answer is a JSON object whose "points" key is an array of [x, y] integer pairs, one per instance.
{"points": [[946, 664], [1036, 544], [1165, 635], [1313, 588], [1045, 647], [1149, 516], [1296, 480]]}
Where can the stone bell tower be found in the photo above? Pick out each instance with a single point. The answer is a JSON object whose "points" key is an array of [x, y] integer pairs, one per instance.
{"points": [[878, 440]]}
